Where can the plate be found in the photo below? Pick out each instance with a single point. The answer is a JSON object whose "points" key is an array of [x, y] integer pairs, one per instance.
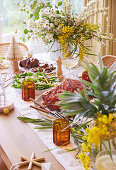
{"points": [[39, 100], [9, 105]]}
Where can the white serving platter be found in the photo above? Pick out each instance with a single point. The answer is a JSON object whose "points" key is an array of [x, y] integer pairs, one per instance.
{"points": [[9, 105], [40, 101]]}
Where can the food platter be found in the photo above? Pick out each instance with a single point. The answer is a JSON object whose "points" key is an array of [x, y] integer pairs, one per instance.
{"points": [[42, 81], [34, 65], [50, 97]]}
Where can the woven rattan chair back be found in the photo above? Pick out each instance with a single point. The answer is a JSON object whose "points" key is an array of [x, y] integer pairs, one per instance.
{"points": [[108, 60], [5, 46]]}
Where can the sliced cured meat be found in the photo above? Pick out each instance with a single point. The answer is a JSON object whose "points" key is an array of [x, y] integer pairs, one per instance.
{"points": [[50, 98], [29, 63]]}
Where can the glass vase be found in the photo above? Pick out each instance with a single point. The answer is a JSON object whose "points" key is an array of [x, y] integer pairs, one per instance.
{"points": [[55, 52], [105, 162]]}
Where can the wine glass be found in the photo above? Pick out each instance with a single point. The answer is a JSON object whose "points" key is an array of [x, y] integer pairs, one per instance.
{"points": [[69, 63]]}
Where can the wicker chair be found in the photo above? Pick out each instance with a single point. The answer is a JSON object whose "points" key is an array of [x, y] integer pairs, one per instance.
{"points": [[5, 46], [108, 60]]}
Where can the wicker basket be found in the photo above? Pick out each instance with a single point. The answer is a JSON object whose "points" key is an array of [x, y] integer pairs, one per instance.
{"points": [[108, 60], [5, 46]]}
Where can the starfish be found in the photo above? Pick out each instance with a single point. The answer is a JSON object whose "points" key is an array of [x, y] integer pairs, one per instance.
{"points": [[31, 161]]}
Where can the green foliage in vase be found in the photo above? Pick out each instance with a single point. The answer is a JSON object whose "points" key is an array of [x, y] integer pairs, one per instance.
{"points": [[102, 90], [59, 23]]}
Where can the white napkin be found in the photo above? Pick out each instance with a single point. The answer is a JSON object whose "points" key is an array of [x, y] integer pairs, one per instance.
{"points": [[14, 51], [46, 166]]}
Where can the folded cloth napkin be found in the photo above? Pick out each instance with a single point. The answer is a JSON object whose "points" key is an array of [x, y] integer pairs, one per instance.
{"points": [[14, 51], [46, 166]]}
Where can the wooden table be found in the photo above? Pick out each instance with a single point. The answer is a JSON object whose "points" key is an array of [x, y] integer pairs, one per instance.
{"points": [[18, 139]]}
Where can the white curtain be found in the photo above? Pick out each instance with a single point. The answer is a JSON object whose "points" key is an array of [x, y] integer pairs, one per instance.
{"points": [[110, 47]]}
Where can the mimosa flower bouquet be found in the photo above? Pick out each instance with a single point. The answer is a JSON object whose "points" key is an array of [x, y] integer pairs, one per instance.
{"points": [[58, 23]]}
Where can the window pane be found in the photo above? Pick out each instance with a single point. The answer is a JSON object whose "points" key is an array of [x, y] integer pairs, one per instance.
{"points": [[77, 5], [11, 17]]}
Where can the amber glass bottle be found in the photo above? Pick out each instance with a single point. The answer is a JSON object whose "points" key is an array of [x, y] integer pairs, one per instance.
{"points": [[61, 137], [28, 90]]}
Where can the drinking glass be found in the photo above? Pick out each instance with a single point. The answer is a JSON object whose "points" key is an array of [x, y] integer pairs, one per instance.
{"points": [[61, 134], [69, 63], [28, 90]]}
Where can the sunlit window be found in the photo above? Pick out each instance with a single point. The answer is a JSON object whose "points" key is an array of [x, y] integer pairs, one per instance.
{"points": [[11, 17], [77, 5]]}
